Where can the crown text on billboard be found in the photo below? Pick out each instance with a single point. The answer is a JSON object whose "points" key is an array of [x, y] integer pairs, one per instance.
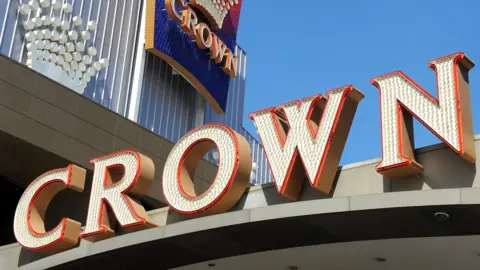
{"points": [[201, 33]]}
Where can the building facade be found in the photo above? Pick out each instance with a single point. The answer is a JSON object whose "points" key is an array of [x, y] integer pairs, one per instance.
{"points": [[100, 89], [136, 83]]}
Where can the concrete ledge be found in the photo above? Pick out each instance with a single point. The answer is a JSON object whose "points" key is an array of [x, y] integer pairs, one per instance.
{"points": [[251, 220]]}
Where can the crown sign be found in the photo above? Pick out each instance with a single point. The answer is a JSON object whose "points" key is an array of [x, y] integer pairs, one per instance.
{"points": [[58, 49], [214, 10]]}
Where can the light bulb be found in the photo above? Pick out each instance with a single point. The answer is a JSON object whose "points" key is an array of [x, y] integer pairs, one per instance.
{"points": [[80, 47], [73, 35], [33, 4], [77, 20], [86, 35], [65, 25], [47, 34], [54, 47], [55, 36], [55, 21], [24, 9], [92, 25], [61, 49], [92, 51], [46, 20], [44, 3], [28, 25], [67, 8], [57, 4], [30, 36]]}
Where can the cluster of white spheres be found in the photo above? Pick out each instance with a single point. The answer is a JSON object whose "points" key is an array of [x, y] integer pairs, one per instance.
{"points": [[59, 42]]}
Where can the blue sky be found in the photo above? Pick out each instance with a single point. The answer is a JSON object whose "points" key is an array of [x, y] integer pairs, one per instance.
{"points": [[297, 49]]}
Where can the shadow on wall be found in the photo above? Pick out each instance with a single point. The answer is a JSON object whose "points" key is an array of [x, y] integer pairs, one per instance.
{"points": [[442, 169]]}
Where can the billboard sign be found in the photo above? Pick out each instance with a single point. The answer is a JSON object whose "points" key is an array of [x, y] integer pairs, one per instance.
{"points": [[197, 38]]}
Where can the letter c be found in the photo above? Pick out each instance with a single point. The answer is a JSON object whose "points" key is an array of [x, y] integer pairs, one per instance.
{"points": [[171, 5]]}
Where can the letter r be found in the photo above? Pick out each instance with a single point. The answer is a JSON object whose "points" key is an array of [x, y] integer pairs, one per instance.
{"points": [[115, 177]]}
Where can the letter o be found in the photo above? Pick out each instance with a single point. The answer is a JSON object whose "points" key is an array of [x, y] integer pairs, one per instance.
{"points": [[204, 36], [233, 175]]}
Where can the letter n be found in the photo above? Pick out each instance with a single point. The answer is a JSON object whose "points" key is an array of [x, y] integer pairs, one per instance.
{"points": [[449, 117], [314, 128]]}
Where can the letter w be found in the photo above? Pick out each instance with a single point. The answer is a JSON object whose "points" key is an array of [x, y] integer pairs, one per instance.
{"points": [[315, 128]]}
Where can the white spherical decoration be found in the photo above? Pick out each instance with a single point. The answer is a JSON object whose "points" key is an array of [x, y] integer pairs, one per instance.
{"points": [[86, 77], [78, 74], [57, 4], [65, 25], [24, 9], [77, 20], [77, 56], [66, 67], [86, 35], [39, 44], [97, 66], [82, 67], [53, 58], [46, 55], [104, 62], [28, 25], [71, 73], [40, 54], [91, 71], [87, 60], [38, 34], [54, 47], [92, 25], [73, 35], [37, 22], [31, 47], [70, 47], [61, 49], [92, 51], [46, 20], [47, 34], [55, 36], [68, 57], [46, 44], [32, 55], [60, 60], [67, 8], [63, 38], [74, 65], [33, 4], [44, 3], [30, 36], [80, 47], [55, 21]]}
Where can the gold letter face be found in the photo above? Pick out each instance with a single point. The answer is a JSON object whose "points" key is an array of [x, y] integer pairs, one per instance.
{"points": [[29, 222], [314, 128], [449, 117], [116, 176], [231, 179]]}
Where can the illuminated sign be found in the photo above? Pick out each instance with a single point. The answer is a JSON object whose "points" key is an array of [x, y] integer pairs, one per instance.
{"points": [[302, 139], [198, 38]]}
